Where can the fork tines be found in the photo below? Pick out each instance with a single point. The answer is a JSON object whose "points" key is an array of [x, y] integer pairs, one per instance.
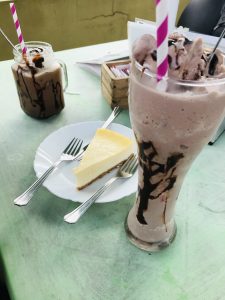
{"points": [[130, 164], [73, 147], [116, 110]]}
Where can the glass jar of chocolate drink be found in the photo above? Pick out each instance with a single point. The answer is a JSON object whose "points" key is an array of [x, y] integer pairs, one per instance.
{"points": [[172, 121], [38, 78]]}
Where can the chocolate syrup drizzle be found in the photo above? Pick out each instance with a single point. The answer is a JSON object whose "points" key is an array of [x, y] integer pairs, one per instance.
{"points": [[152, 189], [24, 95]]}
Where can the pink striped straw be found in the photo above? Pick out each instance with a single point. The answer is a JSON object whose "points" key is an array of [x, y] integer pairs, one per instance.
{"points": [[18, 29], [162, 38]]}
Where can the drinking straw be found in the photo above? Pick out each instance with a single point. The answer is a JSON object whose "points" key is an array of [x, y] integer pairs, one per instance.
{"points": [[162, 38], [7, 39], [172, 13], [18, 29]]}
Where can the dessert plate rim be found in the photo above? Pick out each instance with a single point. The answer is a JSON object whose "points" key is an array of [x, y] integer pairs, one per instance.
{"points": [[62, 182]]}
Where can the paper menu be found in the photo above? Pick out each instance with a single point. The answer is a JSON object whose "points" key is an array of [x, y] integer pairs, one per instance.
{"points": [[108, 53]]}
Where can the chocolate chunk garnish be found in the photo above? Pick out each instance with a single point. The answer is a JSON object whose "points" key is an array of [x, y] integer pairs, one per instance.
{"points": [[185, 74], [187, 42], [171, 42], [197, 76], [38, 61], [154, 55]]}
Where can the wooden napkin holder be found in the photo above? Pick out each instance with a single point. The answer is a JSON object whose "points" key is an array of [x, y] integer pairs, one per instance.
{"points": [[114, 90]]}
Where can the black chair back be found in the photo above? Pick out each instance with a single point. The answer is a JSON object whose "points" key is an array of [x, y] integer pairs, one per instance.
{"points": [[201, 15]]}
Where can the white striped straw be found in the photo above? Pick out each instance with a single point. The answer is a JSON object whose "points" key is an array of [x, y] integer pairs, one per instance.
{"points": [[162, 38], [18, 29]]}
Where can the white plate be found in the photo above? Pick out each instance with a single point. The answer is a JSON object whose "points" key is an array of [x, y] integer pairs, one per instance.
{"points": [[62, 182]]}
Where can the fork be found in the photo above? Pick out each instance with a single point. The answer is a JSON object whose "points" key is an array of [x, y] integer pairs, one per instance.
{"points": [[28, 194], [112, 116], [126, 171], [70, 153]]}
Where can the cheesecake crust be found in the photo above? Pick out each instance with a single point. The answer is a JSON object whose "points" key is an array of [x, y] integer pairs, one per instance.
{"points": [[100, 176]]}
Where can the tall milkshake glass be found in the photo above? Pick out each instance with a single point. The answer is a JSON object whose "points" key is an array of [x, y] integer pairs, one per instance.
{"points": [[171, 126]]}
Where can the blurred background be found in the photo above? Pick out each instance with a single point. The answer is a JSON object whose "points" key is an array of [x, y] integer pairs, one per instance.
{"points": [[73, 23]]}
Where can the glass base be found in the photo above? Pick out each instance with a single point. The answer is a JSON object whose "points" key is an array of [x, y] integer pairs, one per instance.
{"points": [[148, 246]]}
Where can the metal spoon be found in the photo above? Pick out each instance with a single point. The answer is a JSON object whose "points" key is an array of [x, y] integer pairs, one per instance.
{"points": [[214, 49]]}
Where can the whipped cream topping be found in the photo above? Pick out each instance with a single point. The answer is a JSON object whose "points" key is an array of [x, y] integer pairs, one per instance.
{"points": [[187, 59]]}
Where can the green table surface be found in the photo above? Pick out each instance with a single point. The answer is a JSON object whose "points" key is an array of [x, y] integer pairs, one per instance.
{"points": [[44, 258]]}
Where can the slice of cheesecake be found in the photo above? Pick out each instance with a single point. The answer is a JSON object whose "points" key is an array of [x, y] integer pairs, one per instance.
{"points": [[106, 151]]}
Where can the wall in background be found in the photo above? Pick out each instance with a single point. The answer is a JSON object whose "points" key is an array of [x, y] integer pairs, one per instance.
{"points": [[73, 23]]}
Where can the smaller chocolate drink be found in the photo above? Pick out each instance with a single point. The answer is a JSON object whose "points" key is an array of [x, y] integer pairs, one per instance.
{"points": [[38, 78]]}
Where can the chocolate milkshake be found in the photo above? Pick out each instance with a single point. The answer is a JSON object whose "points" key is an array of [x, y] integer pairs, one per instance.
{"points": [[38, 78], [172, 122]]}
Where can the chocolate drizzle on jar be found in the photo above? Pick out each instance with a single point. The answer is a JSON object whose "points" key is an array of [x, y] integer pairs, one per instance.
{"points": [[40, 93], [158, 178]]}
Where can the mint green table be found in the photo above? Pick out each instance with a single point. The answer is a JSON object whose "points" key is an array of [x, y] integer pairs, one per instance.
{"points": [[44, 258]]}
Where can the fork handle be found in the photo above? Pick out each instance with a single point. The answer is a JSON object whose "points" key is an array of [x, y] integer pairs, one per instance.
{"points": [[75, 215], [112, 116], [24, 198]]}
